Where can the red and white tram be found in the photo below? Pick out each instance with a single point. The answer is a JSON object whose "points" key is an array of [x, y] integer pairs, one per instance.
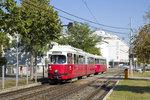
{"points": [[67, 63]]}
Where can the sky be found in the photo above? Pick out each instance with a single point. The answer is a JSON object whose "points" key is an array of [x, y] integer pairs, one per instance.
{"points": [[115, 13]]}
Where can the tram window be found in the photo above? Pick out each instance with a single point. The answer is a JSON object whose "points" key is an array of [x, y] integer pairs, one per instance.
{"points": [[58, 59], [49, 56], [84, 60], [105, 62], [90, 60], [96, 61], [75, 59], [101, 61], [81, 59], [69, 58]]}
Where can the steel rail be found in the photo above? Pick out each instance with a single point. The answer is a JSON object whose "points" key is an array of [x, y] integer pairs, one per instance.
{"points": [[22, 90]]}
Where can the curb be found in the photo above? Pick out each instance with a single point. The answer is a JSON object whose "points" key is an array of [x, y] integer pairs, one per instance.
{"points": [[19, 87], [108, 94]]}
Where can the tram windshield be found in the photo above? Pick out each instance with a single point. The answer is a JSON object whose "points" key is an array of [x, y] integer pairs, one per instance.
{"points": [[58, 59]]}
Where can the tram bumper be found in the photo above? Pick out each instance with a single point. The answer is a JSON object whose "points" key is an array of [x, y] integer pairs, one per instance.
{"points": [[57, 76]]}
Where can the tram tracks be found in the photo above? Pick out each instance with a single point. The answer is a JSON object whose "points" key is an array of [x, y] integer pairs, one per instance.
{"points": [[60, 92], [22, 90], [66, 93], [31, 92], [102, 90], [95, 91]]}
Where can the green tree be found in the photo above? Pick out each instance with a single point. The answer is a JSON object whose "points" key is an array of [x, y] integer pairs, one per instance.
{"points": [[6, 7], [80, 36], [37, 25], [41, 24], [142, 44], [147, 17], [142, 41]]}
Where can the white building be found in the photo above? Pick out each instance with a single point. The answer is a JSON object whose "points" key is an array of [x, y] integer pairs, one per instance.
{"points": [[23, 59], [113, 48]]}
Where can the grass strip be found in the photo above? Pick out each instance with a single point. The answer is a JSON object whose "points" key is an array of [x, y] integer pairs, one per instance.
{"points": [[140, 74], [12, 83], [131, 90]]}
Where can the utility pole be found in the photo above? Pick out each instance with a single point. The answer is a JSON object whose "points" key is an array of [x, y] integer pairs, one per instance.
{"points": [[17, 69], [43, 64], [27, 73], [3, 75], [130, 52]]}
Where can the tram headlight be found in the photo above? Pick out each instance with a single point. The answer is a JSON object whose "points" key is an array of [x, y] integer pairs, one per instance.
{"points": [[56, 71], [49, 67]]}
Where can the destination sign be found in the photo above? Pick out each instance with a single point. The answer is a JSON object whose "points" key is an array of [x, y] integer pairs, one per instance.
{"points": [[56, 52]]}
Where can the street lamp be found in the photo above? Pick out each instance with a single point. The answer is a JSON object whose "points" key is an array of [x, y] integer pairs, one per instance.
{"points": [[70, 24]]}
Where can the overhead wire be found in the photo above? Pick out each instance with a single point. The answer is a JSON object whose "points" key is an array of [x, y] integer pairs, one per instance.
{"points": [[89, 10], [89, 20], [74, 20]]}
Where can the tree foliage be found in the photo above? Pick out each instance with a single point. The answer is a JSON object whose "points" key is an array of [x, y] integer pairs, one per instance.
{"points": [[36, 23], [147, 16], [6, 7], [40, 25], [80, 36], [142, 44], [142, 41]]}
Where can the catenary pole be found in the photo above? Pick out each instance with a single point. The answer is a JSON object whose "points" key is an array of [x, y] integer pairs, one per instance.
{"points": [[43, 64], [130, 53], [3, 85], [27, 74], [17, 69], [36, 73]]}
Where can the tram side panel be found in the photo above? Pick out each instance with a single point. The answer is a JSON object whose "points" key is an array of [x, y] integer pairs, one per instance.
{"points": [[105, 68], [76, 71], [101, 68], [91, 69], [98, 68], [81, 70]]}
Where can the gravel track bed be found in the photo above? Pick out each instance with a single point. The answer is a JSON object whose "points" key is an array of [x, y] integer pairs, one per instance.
{"points": [[100, 95], [22, 92], [71, 91], [60, 89], [83, 93]]}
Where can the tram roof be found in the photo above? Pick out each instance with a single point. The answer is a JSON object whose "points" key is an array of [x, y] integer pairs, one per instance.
{"points": [[70, 49], [67, 48], [101, 57]]}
